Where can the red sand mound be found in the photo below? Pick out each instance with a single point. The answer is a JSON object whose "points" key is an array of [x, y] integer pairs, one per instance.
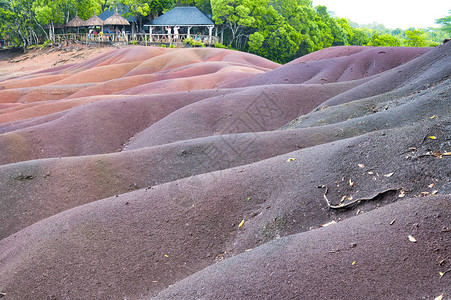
{"points": [[232, 166], [335, 66], [145, 68]]}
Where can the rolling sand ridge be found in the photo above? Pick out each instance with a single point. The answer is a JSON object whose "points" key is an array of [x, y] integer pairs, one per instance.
{"points": [[201, 173]]}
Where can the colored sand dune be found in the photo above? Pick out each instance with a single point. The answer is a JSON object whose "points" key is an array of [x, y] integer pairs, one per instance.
{"points": [[214, 174]]}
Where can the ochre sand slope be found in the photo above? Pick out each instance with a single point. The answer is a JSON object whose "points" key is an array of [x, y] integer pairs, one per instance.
{"points": [[205, 173]]}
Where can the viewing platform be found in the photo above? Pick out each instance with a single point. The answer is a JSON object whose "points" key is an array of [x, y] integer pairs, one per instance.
{"points": [[145, 39], [170, 29]]}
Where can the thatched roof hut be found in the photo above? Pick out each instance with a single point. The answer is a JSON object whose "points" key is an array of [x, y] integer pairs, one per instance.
{"points": [[122, 10], [76, 22], [116, 19], [94, 21]]}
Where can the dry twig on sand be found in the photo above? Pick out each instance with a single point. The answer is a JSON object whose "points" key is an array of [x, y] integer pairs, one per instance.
{"points": [[443, 273], [349, 204]]}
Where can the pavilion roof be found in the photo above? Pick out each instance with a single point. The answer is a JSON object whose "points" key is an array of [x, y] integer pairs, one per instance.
{"points": [[188, 15]]}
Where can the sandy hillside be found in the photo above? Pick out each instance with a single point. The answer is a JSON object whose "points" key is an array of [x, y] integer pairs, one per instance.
{"points": [[202, 173]]}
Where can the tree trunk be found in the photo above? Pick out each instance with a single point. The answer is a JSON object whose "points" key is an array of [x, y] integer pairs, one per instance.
{"points": [[52, 28], [45, 32]]}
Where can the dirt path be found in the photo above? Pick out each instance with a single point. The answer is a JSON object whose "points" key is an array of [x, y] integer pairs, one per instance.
{"points": [[42, 58]]}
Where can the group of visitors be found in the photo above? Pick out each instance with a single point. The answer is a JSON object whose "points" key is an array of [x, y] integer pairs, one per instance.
{"points": [[107, 34], [176, 32]]}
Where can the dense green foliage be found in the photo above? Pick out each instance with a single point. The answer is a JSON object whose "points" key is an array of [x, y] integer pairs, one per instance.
{"points": [[280, 30], [445, 24]]}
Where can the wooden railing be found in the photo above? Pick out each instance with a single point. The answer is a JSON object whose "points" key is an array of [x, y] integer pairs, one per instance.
{"points": [[133, 38]]}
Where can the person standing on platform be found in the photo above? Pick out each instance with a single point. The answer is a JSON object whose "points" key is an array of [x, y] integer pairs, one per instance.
{"points": [[176, 32], [169, 29]]}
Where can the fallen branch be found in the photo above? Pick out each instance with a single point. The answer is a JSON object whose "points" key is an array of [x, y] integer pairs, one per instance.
{"points": [[347, 205], [443, 273]]}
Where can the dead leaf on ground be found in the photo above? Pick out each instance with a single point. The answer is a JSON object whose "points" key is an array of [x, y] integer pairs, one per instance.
{"points": [[412, 239], [329, 223], [241, 224], [343, 199], [439, 297], [402, 194]]}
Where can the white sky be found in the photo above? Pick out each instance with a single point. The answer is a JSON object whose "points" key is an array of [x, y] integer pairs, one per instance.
{"points": [[392, 13]]}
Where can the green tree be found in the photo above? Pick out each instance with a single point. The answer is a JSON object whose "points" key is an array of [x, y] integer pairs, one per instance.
{"points": [[84, 8], [145, 9], [287, 8], [238, 15], [415, 38], [348, 30], [384, 40], [18, 25], [445, 23], [435, 36], [276, 39], [51, 12], [305, 22], [360, 37], [332, 33], [203, 5]]}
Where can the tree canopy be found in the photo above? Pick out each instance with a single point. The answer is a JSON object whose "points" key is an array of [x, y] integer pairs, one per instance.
{"points": [[280, 30], [445, 23]]}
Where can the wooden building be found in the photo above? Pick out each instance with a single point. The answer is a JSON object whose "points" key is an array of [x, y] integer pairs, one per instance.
{"points": [[178, 23]]}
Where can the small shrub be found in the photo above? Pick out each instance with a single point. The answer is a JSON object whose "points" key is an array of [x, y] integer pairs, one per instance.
{"points": [[219, 45], [47, 42], [193, 43]]}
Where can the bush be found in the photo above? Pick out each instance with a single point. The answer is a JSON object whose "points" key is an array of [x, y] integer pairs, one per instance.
{"points": [[193, 43], [219, 45], [47, 42]]}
